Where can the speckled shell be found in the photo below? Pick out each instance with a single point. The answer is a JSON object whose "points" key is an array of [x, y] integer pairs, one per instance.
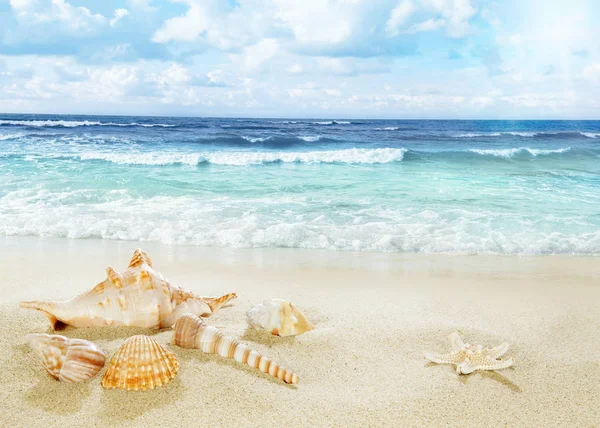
{"points": [[140, 364], [192, 332], [278, 317], [139, 296], [67, 360]]}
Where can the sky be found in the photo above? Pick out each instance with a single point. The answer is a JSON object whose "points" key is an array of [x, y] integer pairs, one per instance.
{"points": [[505, 59]]}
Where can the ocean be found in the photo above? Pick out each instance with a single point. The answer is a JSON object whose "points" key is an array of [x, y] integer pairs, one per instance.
{"points": [[469, 187]]}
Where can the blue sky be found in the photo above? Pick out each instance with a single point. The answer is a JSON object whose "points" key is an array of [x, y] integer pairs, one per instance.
{"points": [[302, 58]]}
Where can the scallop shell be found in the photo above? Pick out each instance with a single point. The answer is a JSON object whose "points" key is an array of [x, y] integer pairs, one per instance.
{"points": [[192, 332], [279, 317], [139, 297], [141, 363], [68, 360]]}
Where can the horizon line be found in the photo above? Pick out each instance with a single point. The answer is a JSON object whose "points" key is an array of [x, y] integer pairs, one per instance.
{"points": [[333, 118]]}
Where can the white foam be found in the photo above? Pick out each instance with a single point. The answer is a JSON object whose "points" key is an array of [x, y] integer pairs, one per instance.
{"points": [[475, 135], [349, 156], [144, 158], [332, 122], [309, 138], [388, 128], [230, 222], [509, 153], [10, 137], [255, 139], [76, 123], [523, 134]]}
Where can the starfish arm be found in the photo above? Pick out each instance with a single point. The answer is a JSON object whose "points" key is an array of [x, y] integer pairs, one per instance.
{"points": [[491, 364], [456, 342], [442, 359], [499, 350], [465, 368]]}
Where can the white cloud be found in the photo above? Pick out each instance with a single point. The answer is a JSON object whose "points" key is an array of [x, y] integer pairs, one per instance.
{"points": [[592, 72], [456, 14], [187, 27], [453, 15], [74, 18], [399, 16], [254, 56], [429, 25], [119, 14], [318, 21], [143, 5]]}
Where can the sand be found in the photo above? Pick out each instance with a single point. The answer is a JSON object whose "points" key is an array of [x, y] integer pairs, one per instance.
{"points": [[375, 314]]}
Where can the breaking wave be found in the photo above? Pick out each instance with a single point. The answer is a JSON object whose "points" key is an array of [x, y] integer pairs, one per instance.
{"points": [[76, 123], [554, 135], [509, 153], [349, 156]]}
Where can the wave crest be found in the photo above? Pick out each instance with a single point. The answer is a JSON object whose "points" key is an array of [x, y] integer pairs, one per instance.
{"points": [[348, 156], [509, 153], [76, 123]]}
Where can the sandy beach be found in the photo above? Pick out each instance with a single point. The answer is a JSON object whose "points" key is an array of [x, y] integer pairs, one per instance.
{"points": [[375, 316]]}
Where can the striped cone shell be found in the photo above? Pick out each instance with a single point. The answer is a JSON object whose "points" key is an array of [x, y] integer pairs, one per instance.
{"points": [[192, 332], [67, 360], [140, 364]]}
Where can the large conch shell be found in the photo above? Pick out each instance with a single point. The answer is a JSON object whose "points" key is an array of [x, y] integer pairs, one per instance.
{"points": [[192, 332], [138, 297], [68, 360], [279, 317], [140, 364]]}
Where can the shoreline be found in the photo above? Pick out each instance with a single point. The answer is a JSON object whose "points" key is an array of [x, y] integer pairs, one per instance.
{"points": [[375, 315]]}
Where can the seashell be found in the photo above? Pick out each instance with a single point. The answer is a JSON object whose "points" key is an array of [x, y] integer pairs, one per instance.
{"points": [[140, 364], [279, 317], [139, 297], [68, 360], [192, 332]]}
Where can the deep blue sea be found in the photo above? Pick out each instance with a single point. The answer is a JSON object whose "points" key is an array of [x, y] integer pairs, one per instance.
{"points": [[507, 187]]}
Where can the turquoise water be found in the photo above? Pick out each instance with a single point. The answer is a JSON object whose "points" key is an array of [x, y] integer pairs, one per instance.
{"points": [[529, 187]]}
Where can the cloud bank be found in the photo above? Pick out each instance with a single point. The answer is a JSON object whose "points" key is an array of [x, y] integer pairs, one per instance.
{"points": [[308, 58]]}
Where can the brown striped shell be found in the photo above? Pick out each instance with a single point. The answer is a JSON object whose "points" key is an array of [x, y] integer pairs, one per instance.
{"points": [[67, 360], [192, 332], [140, 364]]}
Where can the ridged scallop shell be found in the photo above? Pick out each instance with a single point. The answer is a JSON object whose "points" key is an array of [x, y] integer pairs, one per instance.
{"points": [[68, 360], [141, 363], [138, 297], [192, 332], [279, 317]]}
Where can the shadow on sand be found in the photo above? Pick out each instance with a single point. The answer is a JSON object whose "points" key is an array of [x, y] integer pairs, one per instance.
{"points": [[486, 374], [266, 338], [57, 397], [117, 406], [198, 357]]}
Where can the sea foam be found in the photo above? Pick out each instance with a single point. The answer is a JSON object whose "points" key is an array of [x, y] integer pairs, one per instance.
{"points": [[509, 153], [235, 222], [231, 158], [76, 123]]}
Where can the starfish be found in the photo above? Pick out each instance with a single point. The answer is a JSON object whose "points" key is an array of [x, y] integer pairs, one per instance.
{"points": [[469, 358]]}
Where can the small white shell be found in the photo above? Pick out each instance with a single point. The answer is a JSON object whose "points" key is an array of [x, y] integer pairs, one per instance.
{"points": [[279, 317], [68, 360]]}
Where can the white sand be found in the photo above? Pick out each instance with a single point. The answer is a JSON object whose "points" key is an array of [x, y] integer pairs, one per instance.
{"points": [[375, 315]]}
